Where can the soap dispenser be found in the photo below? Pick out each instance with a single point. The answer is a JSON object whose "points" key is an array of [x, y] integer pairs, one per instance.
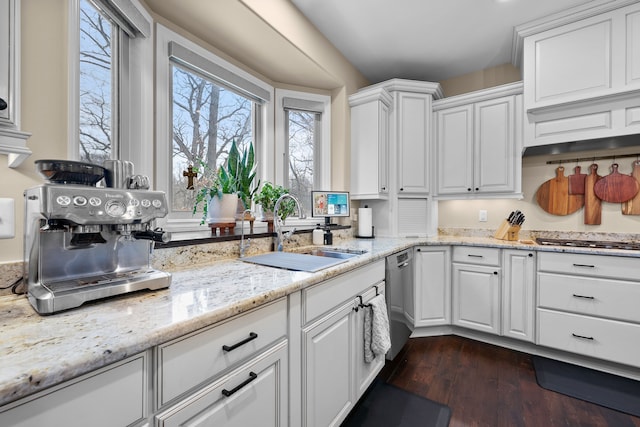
{"points": [[318, 235], [328, 237]]}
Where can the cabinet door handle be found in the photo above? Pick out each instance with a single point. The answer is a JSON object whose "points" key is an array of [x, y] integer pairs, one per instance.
{"points": [[475, 256], [584, 265], [583, 296], [3, 104], [252, 376], [252, 336], [582, 337]]}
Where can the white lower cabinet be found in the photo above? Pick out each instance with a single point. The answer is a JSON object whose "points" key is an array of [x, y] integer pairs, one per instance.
{"points": [[518, 291], [255, 394], [476, 288], [588, 305], [432, 283], [116, 395], [334, 373]]}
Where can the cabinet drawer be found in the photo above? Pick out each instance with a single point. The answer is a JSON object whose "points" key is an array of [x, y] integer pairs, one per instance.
{"points": [[625, 268], [196, 358], [615, 299], [324, 296], [113, 396], [253, 395], [476, 255], [600, 338]]}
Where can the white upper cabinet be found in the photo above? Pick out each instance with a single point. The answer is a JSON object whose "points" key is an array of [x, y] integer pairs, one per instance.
{"points": [[413, 124], [478, 143], [370, 110], [582, 79], [12, 140]]}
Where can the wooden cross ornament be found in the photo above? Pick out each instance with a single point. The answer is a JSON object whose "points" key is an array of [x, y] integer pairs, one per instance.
{"points": [[190, 174]]}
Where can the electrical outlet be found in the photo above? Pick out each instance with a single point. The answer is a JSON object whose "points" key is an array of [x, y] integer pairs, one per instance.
{"points": [[7, 219], [482, 215]]}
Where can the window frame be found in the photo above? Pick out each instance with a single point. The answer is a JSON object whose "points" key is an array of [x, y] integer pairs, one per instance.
{"points": [[163, 126], [324, 150], [135, 88]]}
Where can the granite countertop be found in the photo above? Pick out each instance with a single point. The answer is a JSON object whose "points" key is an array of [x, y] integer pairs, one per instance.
{"points": [[37, 351]]}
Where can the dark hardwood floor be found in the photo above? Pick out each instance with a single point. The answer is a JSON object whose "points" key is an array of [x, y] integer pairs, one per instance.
{"points": [[486, 385]]}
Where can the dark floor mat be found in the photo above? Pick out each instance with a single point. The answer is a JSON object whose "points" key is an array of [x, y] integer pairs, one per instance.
{"points": [[611, 391], [385, 405]]}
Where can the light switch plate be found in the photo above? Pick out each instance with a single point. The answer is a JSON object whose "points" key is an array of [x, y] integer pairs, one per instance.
{"points": [[482, 215], [7, 219]]}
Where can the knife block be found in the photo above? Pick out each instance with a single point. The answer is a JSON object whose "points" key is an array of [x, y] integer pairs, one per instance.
{"points": [[507, 231]]}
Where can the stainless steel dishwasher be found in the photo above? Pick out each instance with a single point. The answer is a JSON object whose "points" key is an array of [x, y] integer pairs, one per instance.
{"points": [[399, 296]]}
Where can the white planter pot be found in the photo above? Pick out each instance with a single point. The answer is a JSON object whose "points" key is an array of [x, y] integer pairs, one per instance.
{"points": [[222, 209]]}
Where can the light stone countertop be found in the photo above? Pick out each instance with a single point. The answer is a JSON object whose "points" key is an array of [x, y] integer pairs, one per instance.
{"points": [[37, 351]]}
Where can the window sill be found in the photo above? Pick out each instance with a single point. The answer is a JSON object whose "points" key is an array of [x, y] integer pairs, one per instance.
{"points": [[205, 237]]}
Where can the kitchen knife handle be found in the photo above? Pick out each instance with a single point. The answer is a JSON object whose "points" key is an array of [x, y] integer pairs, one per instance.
{"points": [[252, 336], [252, 376]]}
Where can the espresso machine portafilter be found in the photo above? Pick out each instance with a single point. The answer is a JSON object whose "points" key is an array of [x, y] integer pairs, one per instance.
{"points": [[84, 242]]}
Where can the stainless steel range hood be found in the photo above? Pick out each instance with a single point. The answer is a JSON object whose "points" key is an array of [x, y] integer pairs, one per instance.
{"points": [[588, 145]]}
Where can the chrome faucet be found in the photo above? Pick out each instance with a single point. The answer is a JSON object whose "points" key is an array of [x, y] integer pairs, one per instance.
{"points": [[243, 247], [281, 237]]}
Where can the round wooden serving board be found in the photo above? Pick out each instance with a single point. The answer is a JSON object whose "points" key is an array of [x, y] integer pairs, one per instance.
{"points": [[553, 196]]}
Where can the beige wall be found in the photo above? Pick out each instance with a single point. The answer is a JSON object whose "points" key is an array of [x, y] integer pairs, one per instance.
{"points": [[482, 79], [43, 104]]}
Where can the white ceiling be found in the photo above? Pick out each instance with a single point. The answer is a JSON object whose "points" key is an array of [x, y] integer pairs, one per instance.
{"points": [[430, 40]]}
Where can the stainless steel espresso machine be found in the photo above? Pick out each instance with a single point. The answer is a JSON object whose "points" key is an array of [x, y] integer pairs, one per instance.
{"points": [[84, 242]]}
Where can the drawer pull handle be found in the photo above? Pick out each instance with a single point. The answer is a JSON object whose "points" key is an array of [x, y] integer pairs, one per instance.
{"points": [[475, 256], [252, 376], [252, 336], [583, 296], [582, 337], [584, 265]]}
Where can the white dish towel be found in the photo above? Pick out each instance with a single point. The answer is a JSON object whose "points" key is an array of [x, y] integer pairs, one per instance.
{"points": [[377, 340]]}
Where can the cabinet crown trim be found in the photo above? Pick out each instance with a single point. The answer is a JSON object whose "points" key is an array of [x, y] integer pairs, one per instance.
{"points": [[415, 86], [367, 95], [479, 95]]}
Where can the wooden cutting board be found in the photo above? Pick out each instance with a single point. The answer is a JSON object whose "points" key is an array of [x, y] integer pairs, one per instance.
{"points": [[592, 205], [632, 207], [616, 187], [553, 196], [576, 181]]}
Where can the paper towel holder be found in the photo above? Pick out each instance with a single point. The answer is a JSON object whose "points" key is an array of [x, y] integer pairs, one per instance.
{"points": [[370, 236]]}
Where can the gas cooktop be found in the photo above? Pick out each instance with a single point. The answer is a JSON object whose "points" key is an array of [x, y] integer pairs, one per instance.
{"points": [[603, 244]]}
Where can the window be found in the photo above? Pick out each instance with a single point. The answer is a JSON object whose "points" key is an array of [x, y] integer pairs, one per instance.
{"points": [[203, 104], [98, 49], [305, 123], [106, 114]]}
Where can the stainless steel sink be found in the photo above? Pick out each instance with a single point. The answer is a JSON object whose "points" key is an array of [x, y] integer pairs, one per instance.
{"points": [[335, 253], [313, 260]]}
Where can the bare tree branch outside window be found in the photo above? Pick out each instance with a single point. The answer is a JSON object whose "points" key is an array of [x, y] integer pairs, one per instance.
{"points": [[96, 88], [301, 138], [206, 119]]}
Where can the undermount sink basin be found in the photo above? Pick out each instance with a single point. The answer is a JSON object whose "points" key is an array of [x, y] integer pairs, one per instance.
{"points": [[313, 260], [335, 253]]}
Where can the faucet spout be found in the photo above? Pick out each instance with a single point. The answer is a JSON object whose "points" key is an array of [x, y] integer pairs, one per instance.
{"points": [[278, 226]]}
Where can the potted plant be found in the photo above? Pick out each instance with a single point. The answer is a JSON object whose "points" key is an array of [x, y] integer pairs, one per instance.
{"points": [[241, 171], [267, 197], [217, 196]]}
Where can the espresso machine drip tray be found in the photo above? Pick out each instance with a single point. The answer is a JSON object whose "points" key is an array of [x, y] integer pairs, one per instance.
{"points": [[62, 295]]}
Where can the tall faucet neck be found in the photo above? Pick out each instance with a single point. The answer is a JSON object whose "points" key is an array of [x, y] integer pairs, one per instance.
{"points": [[276, 218]]}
